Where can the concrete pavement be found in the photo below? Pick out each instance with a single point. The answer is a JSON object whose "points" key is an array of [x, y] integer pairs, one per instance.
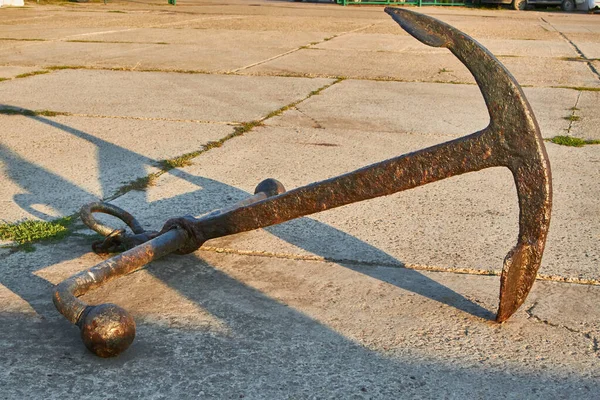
{"points": [[390, 298]]}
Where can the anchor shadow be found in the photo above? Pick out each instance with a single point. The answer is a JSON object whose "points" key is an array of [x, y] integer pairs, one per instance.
{"points": [[312, 236], [300, 233]]}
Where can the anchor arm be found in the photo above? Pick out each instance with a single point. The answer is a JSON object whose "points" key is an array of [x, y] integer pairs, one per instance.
{"points": [[515, 134]]}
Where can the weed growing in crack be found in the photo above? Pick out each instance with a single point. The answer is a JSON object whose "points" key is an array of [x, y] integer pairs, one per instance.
{"points": [[139, 184], [31, 113], [572, 118], [25, 233], [572, 141], [33, 73]]}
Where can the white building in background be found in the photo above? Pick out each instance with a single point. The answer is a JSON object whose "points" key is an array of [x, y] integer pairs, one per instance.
{"points": [[13, 3]]}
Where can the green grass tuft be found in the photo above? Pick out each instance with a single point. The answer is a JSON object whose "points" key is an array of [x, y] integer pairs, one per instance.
{"points": [[572, 117], [31, 113], [31, 231], [178, 162], [49, 113], [573, 59], [61, 67], [24, 39], [572, 141], [139, 184], [33, 73], [186, 159]]}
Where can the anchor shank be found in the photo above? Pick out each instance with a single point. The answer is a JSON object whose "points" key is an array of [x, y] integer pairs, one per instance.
{"points": [[470, 153]]}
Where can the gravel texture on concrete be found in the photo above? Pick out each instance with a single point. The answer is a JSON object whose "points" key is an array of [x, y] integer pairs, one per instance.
{"points": [[230, 326]]}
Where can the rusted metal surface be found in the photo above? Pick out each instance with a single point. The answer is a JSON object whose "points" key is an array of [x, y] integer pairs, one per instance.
{"points": [[512, 140], [107, 329], [115, 239]]}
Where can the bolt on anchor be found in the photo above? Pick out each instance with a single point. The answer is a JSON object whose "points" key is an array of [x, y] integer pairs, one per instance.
{"points": [[512, 139]]}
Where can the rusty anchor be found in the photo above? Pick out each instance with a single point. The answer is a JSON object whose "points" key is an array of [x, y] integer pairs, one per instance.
{"points": [[512, 139]]}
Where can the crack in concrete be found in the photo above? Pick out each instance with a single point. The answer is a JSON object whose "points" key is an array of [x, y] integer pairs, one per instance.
{"points": [[297, 49], [196, 121], [316, 123], [53, 68], [594, 341], [576, 48], [573, 116], [399, 264], [233, 71], [244, 128]]}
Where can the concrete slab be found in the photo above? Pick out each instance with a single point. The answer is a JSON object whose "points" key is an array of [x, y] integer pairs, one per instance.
{"points": [[419, 108], [368, 65], [158, 95], [587, 126], [294, 329], [589, 49], [431, 226], [397, 43], [41, 31], [131, 56], [529, 48], [13, 304], [264, 321], [423, 67], [533, 71], [583, 25], [60, 18], [578, 37], [284, 24], [217, 40], [52, 166], [500, 25], [8, 72]]}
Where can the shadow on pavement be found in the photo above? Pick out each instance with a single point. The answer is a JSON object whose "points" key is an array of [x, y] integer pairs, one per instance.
{"points": [[300, 232]]}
